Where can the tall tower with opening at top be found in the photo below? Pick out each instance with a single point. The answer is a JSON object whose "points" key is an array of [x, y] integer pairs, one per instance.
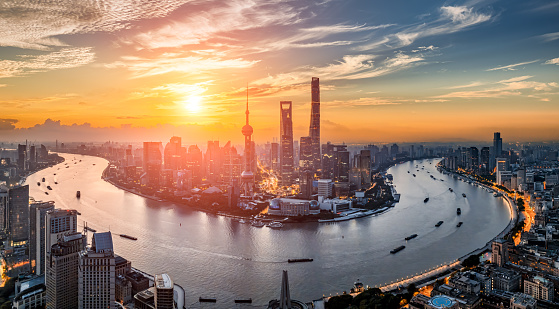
{"points": [[247, 176]]}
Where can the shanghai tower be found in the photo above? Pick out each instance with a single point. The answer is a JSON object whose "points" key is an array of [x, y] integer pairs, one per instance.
{"points": [[314, 129]]}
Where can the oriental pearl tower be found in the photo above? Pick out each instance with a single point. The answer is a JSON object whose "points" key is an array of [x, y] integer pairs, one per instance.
{"points": [[247, 177]]}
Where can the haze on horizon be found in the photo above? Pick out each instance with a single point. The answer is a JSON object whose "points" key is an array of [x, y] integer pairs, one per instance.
{"points": [[403, 71]]}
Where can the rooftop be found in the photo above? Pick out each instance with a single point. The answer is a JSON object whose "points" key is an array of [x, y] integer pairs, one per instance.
{"points": [[163, 281]]}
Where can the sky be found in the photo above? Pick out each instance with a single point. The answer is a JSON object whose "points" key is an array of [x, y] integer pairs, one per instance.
{"points": [[390, 71]]}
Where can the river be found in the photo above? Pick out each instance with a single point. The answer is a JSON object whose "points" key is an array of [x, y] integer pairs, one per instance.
{"points": [[213, 256]]}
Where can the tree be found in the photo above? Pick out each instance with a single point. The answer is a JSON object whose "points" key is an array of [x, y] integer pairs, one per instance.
{"points": [[471, 261]]}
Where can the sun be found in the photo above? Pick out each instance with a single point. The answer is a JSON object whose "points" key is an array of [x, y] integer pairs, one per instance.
{"points": [[193, 104]]}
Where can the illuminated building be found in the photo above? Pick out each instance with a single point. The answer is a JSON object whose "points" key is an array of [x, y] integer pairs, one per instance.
{"points": [[37, 235], [499, 250], [293, 207], [247, 177], [173, 154], [306, 162], [274, 156], [4, 204], [96, 276], [325, 188], [497, 148], [314, 129], [153, 160], [286, 141], [335, 162], [539, 288], [484, 158], [18, 215], [21, 158], [61, 272]]}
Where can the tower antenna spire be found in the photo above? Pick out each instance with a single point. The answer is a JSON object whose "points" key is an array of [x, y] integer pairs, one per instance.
{"points": [[247, 106]]}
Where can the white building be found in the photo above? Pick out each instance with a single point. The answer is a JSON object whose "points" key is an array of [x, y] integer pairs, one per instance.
{"points": [[293, 207], [325, 188], [96, 279]]}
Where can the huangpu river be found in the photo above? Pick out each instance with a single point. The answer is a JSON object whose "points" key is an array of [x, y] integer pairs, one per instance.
{"points": [[213, 256]]}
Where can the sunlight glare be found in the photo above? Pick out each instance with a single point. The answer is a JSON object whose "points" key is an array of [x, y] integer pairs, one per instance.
{"points": [[193, 104]]}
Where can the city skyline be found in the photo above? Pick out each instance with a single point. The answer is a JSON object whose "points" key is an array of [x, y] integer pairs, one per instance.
{"points": [[426, 72]]}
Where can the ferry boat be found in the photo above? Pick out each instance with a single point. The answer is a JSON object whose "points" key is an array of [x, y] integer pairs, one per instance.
{"points": [[426, 200], [48, 187], [128, 236], [396, 250], [439, 223], [38, 183], [464, 194], [257, 223], [459, 224], [450, 189], [275, 225], [411, 237], [413, 175], [242, 221], [55, 182], [43, 180], [497, 194], [458, 211], [46, 193], [299, 260], [78, 194]]}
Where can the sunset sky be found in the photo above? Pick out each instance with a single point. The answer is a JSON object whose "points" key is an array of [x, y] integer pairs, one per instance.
{"points": [[402, 71]]}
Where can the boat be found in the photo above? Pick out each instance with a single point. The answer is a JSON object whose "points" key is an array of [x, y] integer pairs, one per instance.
{"points": [[38, 183], [242, 221], [43, 180], [439, 223], [299, 260], [55, 182], [464, 194], [48, 187], [46, 193], [396, 250], [413, 175], [257, 223], [67, 167], [426, 200], [243, 301], [497, 194], [54, 174], [411, 237], [207, 300], [459, 224], [275, 225], [408, 172], [128, 236], [78, 194], [458, 211], [450, 189]]}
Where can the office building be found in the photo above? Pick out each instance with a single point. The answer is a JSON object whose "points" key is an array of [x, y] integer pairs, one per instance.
{"points": [[37, 235], [306, 161], [174, 154], [59, 222], [505, 280], [274, 156], [286, 143], [30, 293], [96, 276], [306, 184], [497, 148], [61, 272], [293, 207], [4, 204], [325, 188], [539, 288], [152, 162], [314, 129], [164, 292], [21, 158], [522, 301], [484, 158], [18, 216], [335, 162], [499, 252]]}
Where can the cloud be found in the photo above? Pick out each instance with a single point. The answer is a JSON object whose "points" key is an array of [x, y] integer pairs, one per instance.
{"points": [[3, 85], [350, 67], [63, 59], [451, 19], [191, 65], [548, 37], [511, 67], [40, 25], [516, 86], [361, 102], [470, 85], [7, 124], [553, 61]]}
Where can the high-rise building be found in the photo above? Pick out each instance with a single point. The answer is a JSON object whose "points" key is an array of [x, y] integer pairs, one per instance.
{"points": [[499, 252], [274, 156], [58, 223], [484, 158], [96, 275], [153, 161], [164, 292], [18, 215], [314, 130], [213, 161], [473, 160], [37, 235], [286, 140], [4, 204], [21, 158], [539, 288], [247, 176], [173, 159], [306, 161], [61, 272], [497, 148]]}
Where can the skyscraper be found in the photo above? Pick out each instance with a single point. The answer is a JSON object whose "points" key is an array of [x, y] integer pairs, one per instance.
{"points": [[172, 154], [247, 177], [497, 148], [96, 275], [21, 158], [37, 235], [153, 160], [18, 215], [314, 130], [286, 141], [59, 222], [61, 272], [306, 162]]}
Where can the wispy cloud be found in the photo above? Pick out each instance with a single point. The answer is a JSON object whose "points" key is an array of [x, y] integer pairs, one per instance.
{"points": [[511, 67], [62, 59], [548, 37], [451, 19], [515, 86], [39, 25], [470, 85], [191, 65], [553, 61], [350, 67], [361, 102]]}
